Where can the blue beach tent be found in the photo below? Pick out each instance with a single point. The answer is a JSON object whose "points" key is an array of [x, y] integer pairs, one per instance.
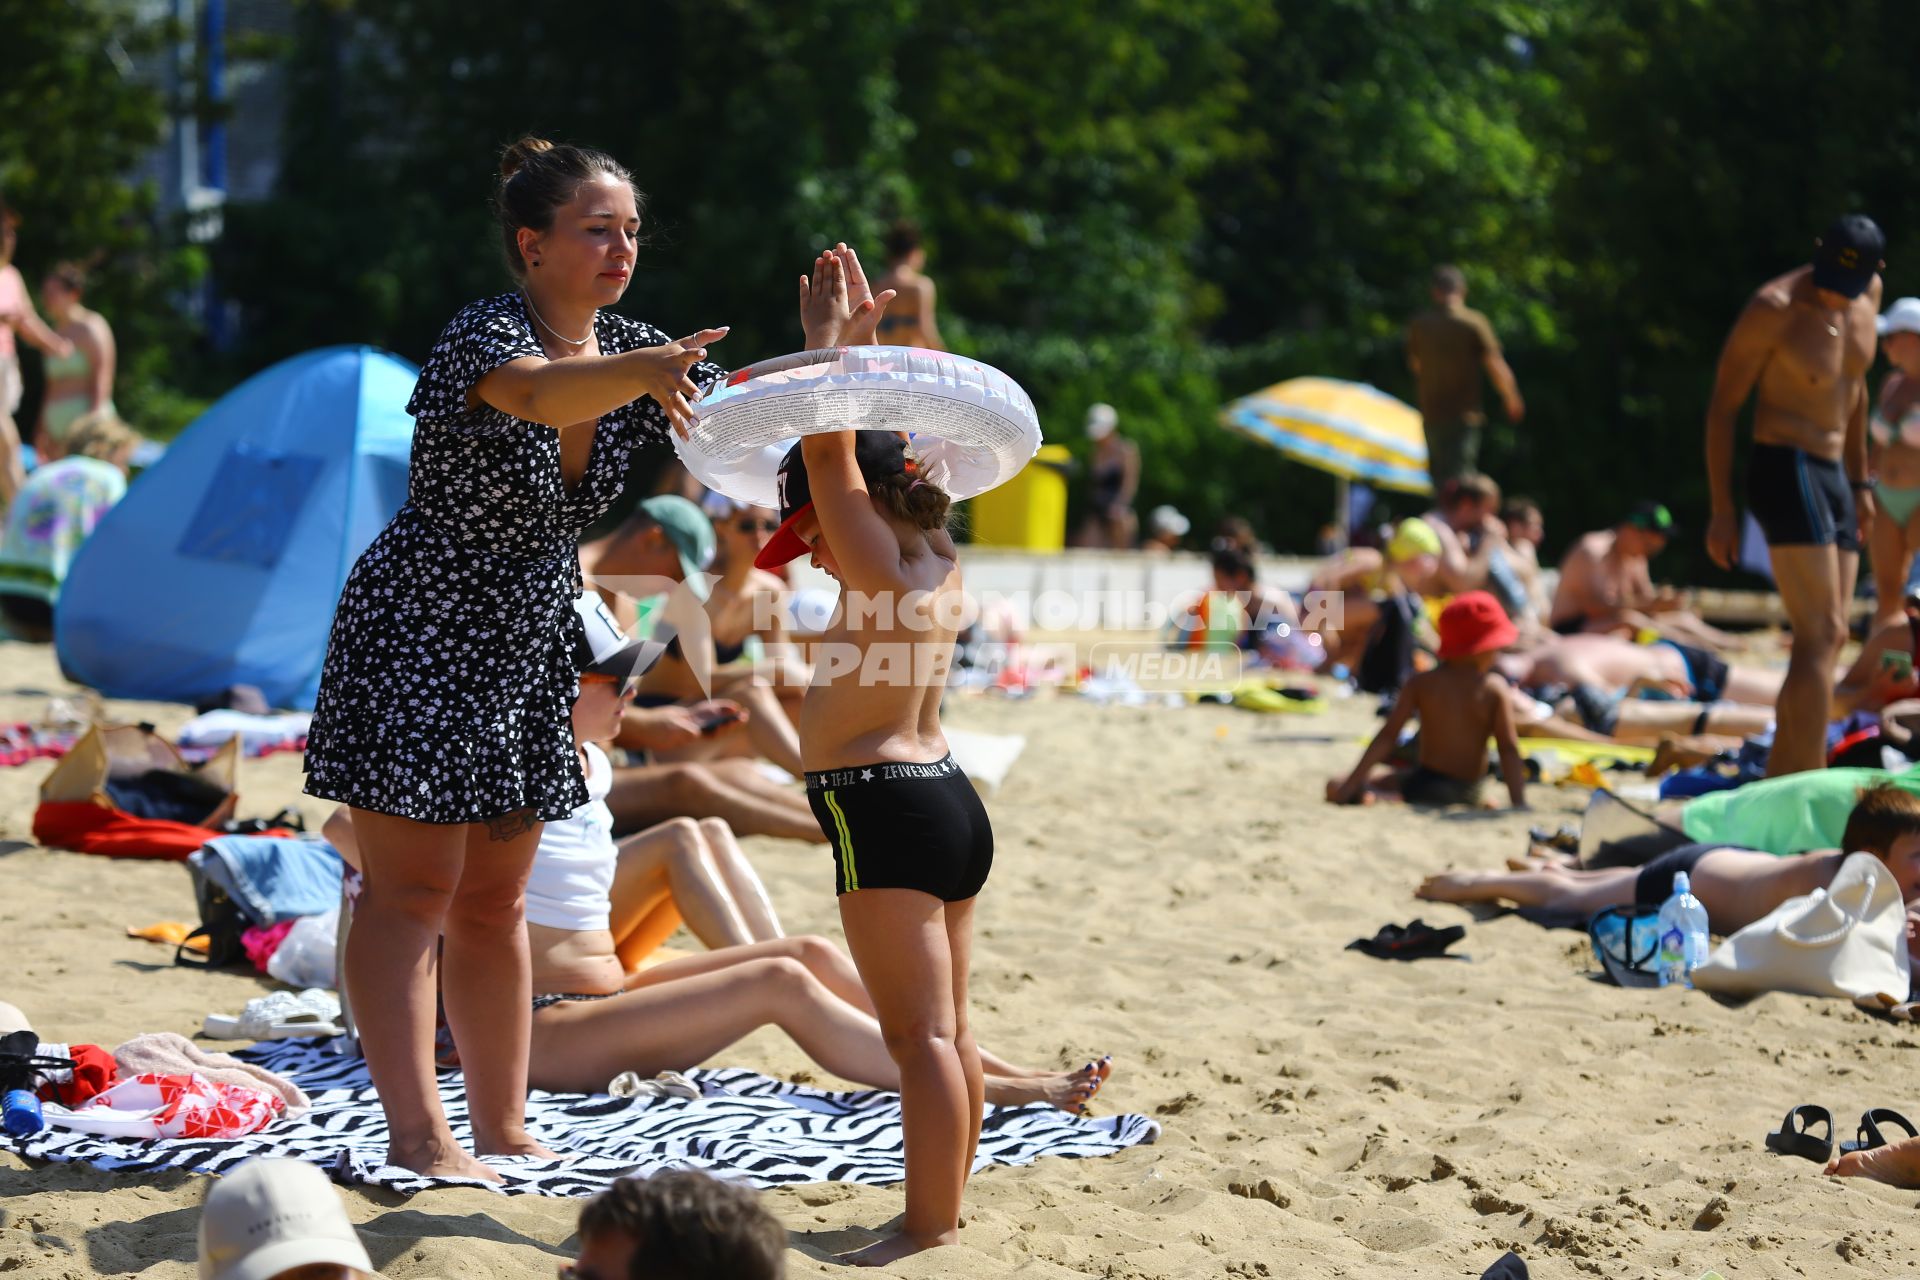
{"points": [[223, 563]]}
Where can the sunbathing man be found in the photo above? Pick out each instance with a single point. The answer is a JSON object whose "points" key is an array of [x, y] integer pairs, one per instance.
{"points": [[1802, 348], [1665, 667], [592, 919], [1606, 585], [1459, 705], [1684, 732], [1736, 886]]}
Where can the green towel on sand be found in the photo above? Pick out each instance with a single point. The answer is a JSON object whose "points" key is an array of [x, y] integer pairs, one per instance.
{"points": [[1793, 814]]}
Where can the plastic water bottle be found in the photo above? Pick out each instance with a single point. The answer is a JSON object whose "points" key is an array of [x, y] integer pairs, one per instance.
{"points": [[1683, 934], [22, 1113]]}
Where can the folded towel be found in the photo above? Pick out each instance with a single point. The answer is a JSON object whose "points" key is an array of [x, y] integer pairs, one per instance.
{"points": [[164, 1053]]}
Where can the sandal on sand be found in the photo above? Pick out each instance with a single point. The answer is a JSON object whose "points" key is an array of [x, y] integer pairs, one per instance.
{"points": [[1416, 940], [1564, 840], [1793, 1139], [281, 1015], [1869, 1136]]}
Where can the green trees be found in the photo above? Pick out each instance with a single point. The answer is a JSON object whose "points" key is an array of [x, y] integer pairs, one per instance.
{"points": [[1158, 205]]}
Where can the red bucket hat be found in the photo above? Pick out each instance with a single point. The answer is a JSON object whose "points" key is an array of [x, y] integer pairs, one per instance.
{"points": [[1473, 622]]}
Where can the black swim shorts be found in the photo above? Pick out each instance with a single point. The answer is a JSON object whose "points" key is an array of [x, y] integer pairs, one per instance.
{"points": [[1654, 884], [1705, 672], [904, 826], [1801, 500], [1431, 787]]}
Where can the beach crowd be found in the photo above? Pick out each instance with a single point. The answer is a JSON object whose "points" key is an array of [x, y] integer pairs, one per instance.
{"points": [[542, 749]]}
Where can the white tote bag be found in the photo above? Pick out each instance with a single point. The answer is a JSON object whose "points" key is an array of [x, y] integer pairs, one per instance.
{"points": [[1847, 940]]}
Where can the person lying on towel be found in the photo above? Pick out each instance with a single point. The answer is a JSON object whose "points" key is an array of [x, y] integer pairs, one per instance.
{"points": [[1736, 886]]}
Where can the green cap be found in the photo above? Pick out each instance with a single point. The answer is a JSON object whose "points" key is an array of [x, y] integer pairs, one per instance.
{"points": [[691, 533], [1653, 517]]}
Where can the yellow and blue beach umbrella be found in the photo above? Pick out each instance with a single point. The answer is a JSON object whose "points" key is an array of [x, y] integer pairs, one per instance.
{"points": [[1350, 429]]}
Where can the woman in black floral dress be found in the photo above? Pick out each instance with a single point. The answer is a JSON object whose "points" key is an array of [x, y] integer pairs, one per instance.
{"points": [[443, 711]]}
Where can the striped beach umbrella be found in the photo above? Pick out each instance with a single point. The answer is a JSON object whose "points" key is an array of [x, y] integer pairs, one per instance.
{"points": [[1350, 429]]}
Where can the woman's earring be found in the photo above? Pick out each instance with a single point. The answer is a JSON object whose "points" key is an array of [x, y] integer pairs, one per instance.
{"points": [[536, 262]]}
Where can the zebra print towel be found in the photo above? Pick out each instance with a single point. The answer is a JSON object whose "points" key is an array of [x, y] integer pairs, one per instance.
{"points": [[761, 1131]]}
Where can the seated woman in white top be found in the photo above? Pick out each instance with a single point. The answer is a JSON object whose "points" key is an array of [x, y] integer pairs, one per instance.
{"points": [[680, 871]]}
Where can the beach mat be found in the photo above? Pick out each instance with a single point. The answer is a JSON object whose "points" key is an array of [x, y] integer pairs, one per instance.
{"points": [[1597, 753], [746, 1127]]}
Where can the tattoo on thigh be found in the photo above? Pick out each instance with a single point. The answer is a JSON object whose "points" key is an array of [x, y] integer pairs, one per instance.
{"points": [[511, 826]]}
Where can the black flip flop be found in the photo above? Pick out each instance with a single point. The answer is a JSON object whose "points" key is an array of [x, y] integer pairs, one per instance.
{"points": [[1417, 940], [1795, 1140], [1869, 1136]]}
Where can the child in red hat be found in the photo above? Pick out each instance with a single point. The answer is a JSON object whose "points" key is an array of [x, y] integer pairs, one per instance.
{"points": [[1459, 705]]}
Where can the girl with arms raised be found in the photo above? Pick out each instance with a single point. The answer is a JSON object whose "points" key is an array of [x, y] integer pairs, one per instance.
{"points": [[910, 838]]}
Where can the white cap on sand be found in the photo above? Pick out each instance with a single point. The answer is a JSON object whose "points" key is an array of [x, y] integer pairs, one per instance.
{"points": [[270, 1216]]}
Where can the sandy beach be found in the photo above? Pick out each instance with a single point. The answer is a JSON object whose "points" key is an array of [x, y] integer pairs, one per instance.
{"points": [[1169, 889]]}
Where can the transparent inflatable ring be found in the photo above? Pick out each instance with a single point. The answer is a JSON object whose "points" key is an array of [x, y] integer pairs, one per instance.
{"points": [[970, 427]]}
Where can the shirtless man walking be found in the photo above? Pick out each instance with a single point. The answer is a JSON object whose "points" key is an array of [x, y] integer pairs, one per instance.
{"points": [[1802, 347]]}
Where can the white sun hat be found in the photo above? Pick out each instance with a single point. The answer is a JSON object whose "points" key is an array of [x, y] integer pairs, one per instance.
{"points": [[970, 427], [1902, 317]]}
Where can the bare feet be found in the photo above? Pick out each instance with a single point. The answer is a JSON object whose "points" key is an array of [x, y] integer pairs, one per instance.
{"points": [[1540, 857], [438, 1158], [896, 1247], [1449, 886], [515, 1144], [1067, 1090], [1897, 1164], [1683, 751], [1070, 1091]]}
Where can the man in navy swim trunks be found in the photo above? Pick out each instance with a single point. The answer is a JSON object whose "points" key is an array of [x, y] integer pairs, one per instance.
{"points": [[1802, 349]]}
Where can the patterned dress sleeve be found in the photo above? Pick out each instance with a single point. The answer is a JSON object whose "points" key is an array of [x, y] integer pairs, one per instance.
{"points": [[646, 411], [484, 336]]}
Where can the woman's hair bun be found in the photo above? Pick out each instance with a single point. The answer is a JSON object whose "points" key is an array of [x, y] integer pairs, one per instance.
{"points": [[519, 153]]}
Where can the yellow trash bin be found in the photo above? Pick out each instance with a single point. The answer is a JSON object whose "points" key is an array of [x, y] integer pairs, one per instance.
{"points": [[1028, 511]]}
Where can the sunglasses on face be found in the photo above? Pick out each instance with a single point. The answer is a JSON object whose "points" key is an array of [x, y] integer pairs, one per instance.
{"points": [[767, 525], [629, 685]]}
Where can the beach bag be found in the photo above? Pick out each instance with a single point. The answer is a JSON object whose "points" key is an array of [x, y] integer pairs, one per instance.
{"points": [[1848, 940], [115, 753], [1626, 944], [78, 810], [222, 922]]}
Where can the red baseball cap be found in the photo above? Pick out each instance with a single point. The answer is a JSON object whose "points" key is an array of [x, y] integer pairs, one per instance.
{"points": [[1473, 622], [877, 453]]}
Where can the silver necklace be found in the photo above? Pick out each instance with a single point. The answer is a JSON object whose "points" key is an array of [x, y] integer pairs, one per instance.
{"points": [[572, 342]]}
